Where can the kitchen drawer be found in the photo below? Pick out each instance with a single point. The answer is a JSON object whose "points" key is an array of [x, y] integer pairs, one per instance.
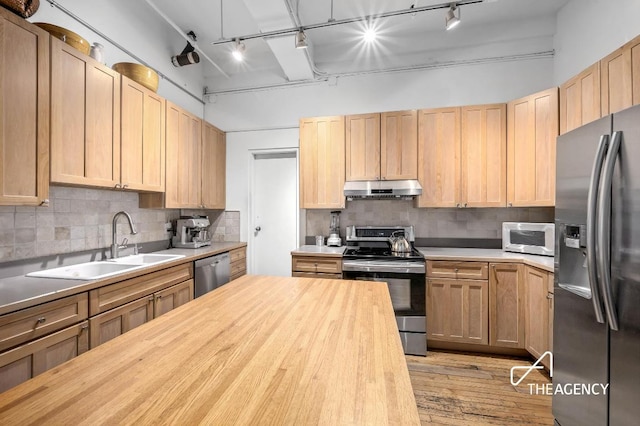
{"points": [[238, 268], [21, 326], [24, 362], [317, 264], [108, 297], [314, 275], [238, 254], [457, 269]]}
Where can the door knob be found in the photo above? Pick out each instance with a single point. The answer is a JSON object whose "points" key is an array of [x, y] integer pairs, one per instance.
{"points": [[258, 229]]}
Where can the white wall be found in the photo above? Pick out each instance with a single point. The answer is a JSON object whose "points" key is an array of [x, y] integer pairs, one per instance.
{"points": [[239, 146], [456, 85], [588, 30], [141, 38]]}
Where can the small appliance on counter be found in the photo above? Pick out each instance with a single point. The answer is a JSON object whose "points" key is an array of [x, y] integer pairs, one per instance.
{"points": [[334, 228], [192, 232], [531, 238]]}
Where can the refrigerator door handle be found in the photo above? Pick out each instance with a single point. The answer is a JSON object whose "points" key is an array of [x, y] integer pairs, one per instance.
{"points": [[592, 205], [604, 230]]}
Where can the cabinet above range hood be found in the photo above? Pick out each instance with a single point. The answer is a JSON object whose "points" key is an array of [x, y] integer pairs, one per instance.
{"points": [[382, 189]]}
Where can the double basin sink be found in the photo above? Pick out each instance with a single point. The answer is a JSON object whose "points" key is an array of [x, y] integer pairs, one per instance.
{"points": [[107, 268]]}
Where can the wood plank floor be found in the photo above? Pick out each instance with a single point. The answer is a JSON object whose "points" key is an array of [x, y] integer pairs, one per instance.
{"points": [[474, 389]]}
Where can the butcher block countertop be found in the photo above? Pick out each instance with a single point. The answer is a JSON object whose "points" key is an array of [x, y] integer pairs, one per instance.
{"points": [[269, 350]]}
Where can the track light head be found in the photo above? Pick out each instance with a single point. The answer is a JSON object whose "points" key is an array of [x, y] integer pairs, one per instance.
{"points": [[188, 56], [301, 40], [238, 51], [452, 19]]}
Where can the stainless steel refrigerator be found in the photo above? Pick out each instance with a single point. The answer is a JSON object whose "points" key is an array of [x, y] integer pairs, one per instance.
{"points": [[597, 271]]}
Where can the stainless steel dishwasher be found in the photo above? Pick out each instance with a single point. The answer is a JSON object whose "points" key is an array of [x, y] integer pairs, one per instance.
{"points": [[211, 273]]}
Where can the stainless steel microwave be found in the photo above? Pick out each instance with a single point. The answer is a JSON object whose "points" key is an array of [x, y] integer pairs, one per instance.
{"points": [[532, 238]]}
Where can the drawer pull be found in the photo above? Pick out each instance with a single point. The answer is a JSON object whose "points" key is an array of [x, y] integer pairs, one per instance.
{"points": [[41, 320]]}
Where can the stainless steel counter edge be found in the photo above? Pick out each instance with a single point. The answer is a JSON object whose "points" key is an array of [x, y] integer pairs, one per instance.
{"points": [[58, 288]]}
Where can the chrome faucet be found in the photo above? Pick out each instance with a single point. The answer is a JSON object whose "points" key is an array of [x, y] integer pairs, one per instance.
{"points": [[114, 243]]}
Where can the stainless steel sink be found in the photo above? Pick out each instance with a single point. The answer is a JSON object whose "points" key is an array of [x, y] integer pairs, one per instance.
{"points": [[86, 271], [146, 259]]}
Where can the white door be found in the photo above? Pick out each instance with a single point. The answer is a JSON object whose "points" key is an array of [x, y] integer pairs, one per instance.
{"points": [[273, 231]]}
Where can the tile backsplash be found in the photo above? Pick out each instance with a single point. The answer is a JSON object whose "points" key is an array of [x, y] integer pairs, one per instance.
{"points": [[429, 223], [79, 219]]}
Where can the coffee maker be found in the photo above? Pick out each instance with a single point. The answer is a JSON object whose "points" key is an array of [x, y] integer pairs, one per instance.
{"points": [[192, 232]]}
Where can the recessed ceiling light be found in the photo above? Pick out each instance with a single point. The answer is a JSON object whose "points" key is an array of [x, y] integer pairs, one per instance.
{"points": [[369, 35], [238, 51], [452, 19]]}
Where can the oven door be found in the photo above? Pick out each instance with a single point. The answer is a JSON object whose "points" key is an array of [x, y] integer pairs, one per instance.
{"points": [[408, 299]]}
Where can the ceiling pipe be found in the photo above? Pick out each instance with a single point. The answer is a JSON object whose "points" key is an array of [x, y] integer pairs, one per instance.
{"points": [[368, 18], [185, 36], [411, 68]]}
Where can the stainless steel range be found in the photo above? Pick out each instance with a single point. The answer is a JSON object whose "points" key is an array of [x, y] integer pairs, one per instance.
{"points": [[369, 256]]}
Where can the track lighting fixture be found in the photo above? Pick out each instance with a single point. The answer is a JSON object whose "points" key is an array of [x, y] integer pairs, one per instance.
{"points": [[301, 40], [452, 19], [189, 55], [238, 51]]}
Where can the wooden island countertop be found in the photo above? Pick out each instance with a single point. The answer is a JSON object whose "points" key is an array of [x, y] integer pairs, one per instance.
{"points": [[260, 350]]}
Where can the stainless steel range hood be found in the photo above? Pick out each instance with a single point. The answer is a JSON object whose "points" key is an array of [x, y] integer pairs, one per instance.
{"points": [[381, 189]]}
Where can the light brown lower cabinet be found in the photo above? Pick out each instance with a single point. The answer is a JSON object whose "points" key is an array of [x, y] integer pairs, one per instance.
{"points": [[26, 361], [539, 312], [506, 305], [458, 310], [172, 297], [316, 267], [115, 322], [238, 259]]}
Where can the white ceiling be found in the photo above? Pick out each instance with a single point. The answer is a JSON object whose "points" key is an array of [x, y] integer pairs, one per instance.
{"points": [[491, 27]]}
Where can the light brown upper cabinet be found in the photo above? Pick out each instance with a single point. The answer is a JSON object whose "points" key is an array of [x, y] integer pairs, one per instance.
{"points": [[85, 119], [483, 156], [24, 112], [214, 153], [620, 78], [580, 99], [439, 157], [399, 145], [381, 146], [362, 147], [532, 128], [143, 141], [322, 162], [183, 162]]}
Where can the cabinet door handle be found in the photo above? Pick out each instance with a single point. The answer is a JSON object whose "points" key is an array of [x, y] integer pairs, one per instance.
{"points": [[509, 204], [125, 186], [118, 186], [45, 202], [465, 205], [84, 327], [458, 205]]}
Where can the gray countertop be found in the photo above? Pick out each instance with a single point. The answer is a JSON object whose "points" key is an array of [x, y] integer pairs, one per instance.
{"points": [[22, 292], [319, 251], [447, 253], [486, 255]]}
